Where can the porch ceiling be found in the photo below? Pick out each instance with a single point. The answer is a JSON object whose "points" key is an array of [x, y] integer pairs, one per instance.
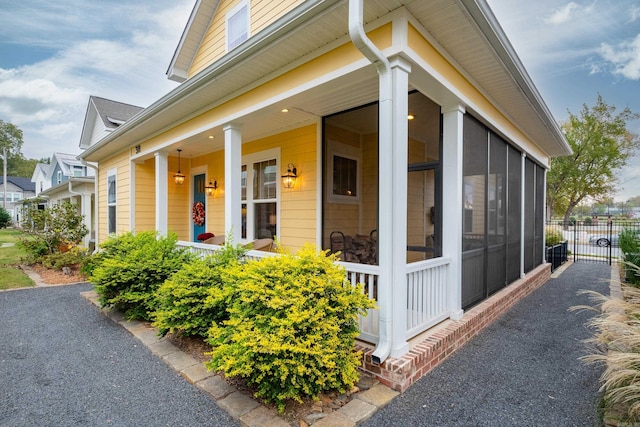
{"points": [[465, 29]]}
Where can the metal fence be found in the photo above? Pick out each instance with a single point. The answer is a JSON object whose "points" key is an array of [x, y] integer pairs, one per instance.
{"points": [[593, 240]]}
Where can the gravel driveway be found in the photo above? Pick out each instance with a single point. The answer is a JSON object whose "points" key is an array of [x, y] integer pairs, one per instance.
{"points": [[523, 370], [62, 363]]}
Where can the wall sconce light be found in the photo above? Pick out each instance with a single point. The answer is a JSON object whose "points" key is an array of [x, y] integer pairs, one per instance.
{"points": [[289, 178], [211, 187], [178, 177]]}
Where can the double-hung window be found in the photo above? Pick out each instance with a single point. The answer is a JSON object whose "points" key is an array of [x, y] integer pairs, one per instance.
{"points": [[237, 29], [111, 201], [259, 185]]}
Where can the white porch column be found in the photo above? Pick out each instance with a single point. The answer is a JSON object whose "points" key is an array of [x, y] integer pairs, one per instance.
{"points": [[162, 198], [452, 182], [85, 202], [400, 70], [232, 184]]}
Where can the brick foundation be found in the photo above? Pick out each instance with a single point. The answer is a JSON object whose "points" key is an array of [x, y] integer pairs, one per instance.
{"points": [[400, 373]]}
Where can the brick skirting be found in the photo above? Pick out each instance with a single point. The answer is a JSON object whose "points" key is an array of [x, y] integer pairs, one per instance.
{"points": [[399, 374]]}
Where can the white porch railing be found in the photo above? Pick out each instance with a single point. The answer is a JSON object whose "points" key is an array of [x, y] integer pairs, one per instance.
{"points": [[426, 290], [368, 276], [426, 294], [204, 249]]}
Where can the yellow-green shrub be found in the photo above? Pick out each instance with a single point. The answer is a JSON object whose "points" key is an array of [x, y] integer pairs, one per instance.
{"points": [[292, 326], [182, 301]]}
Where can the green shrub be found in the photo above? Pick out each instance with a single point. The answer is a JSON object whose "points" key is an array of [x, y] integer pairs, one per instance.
{"points": [[51, 229], [553, 236], [5, 218], [183, 305], [588, 220], [292, 326], [572, 220], [130, 268], [57, 261]]}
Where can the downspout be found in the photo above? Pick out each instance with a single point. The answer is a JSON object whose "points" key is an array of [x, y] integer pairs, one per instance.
{"points": [[373, 54], [95, 201]]}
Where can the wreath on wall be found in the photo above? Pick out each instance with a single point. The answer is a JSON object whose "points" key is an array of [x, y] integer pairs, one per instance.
{"points": [[198, 213]]}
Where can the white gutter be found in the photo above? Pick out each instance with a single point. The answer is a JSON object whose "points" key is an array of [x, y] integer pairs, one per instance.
{"points": [[373, 54]]}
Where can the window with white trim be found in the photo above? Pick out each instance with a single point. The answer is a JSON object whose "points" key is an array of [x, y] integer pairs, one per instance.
{"points": [[237, 28], [59, 177], [260, 197], [111, 201]]}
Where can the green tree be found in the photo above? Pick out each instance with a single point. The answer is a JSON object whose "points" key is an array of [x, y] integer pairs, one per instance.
{"points": [[5, 218], [10, 137], [52, 229], [601, 145]]}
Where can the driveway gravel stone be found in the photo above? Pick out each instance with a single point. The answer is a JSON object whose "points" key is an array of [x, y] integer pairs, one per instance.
{"points": [[523, 370], [63, 363]]}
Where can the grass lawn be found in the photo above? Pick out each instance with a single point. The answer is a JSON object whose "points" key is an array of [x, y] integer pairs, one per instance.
{"points": [[10, 275]]}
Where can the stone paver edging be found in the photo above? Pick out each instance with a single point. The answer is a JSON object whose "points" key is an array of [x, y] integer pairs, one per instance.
{"points": [[248, 411]]}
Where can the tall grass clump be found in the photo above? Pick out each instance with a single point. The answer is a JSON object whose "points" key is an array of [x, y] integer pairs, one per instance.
{"points": [[616, 346]]}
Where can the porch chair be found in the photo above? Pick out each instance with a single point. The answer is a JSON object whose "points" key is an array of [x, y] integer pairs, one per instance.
{"points": [[216, 240], [265, 245]]}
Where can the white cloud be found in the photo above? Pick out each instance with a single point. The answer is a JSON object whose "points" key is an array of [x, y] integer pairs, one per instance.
{"points": [[119, 52], [624, 58], [562, 15], [634, 13]]}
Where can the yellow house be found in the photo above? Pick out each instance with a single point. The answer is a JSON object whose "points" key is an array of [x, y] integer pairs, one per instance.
{"points": [[405, 134]]}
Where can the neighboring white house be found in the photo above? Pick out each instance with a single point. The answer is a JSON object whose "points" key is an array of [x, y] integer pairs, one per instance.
{"points": [[66, 178], [17, 189], [103, 116]]}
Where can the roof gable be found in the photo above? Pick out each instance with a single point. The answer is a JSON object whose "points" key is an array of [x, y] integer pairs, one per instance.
{"points": [[24, 183], [197, 25], [102, 117]]}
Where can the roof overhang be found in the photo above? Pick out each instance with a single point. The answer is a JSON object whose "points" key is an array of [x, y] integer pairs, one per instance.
{"points": [[466, 32]]}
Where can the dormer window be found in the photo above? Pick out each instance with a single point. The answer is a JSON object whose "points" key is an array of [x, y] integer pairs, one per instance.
{"points": [[237, 25], [59, 177]]}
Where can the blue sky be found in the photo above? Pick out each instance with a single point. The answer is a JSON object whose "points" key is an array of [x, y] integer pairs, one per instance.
{"points": [[53, 55]]}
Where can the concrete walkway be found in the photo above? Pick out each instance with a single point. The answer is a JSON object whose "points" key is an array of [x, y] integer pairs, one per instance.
{"points": [[523, 370]]}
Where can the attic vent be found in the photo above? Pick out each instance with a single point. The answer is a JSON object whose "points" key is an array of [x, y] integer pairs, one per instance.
{"points": [[116, 122]]}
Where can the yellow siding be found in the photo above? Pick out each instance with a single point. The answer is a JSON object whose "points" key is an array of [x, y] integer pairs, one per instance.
{"points": [[145, 200], [329, 62], [121, 163], [297, 205], [213, 46], [179, 210], [425, 50]]}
